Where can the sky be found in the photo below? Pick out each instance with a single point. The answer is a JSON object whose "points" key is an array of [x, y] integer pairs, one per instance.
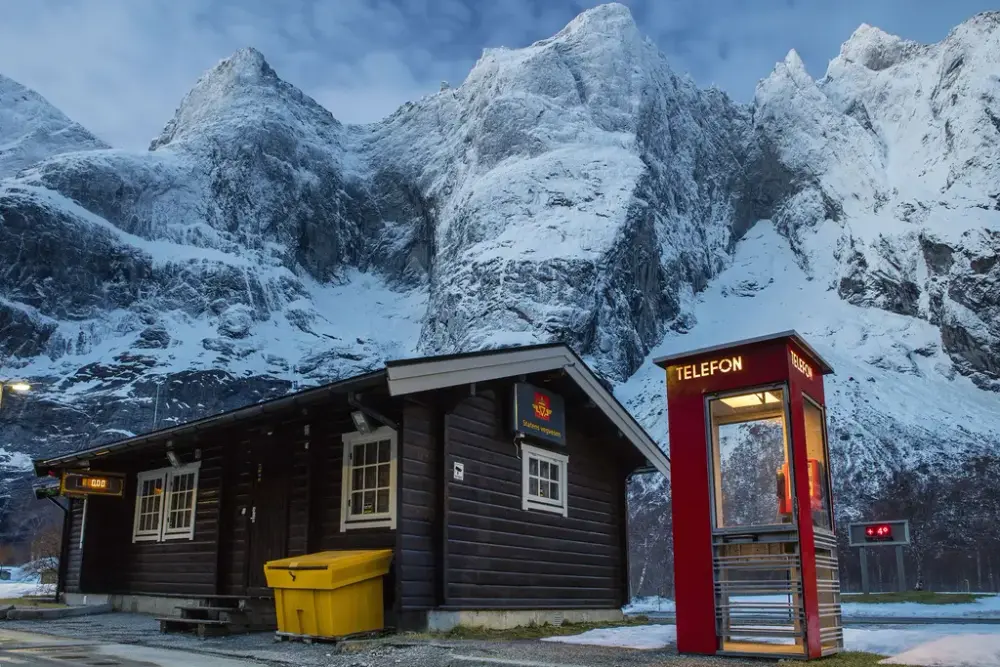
{"points": [[120, 67]]}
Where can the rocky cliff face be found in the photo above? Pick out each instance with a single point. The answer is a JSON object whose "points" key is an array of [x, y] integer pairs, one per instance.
{"points": [[577, 189]]}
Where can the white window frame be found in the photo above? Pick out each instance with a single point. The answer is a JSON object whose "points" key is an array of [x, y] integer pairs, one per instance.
{"points": [[161, 533], [530, 502], [381, 520]]}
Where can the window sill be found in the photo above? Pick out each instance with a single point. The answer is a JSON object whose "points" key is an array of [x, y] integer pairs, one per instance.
{"points": [[360, 524], [178, 536], [544, 507]]}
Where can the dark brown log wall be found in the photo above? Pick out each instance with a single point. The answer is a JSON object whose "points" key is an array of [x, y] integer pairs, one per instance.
{"points": [[419, 517], [501, 556]]}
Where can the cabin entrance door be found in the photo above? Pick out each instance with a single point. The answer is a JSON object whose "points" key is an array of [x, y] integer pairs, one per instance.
{"points": [[268, 516]]}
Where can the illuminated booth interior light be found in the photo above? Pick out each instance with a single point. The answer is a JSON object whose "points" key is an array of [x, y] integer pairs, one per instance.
{"points": [[751, 400], [20, 387]]}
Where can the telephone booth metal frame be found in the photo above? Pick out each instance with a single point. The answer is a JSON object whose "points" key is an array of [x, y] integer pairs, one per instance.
{"points": [[747, 585]]}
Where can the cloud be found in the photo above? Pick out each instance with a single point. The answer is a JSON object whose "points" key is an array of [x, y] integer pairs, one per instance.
{"points": [[120, 67]]}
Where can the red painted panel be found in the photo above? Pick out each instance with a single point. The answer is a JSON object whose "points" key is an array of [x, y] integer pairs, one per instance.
{"points": [[806, 377]]}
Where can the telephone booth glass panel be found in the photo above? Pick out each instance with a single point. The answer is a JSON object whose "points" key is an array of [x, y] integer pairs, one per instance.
{"points": [[819, 481], [750, 453], [758, 585]]}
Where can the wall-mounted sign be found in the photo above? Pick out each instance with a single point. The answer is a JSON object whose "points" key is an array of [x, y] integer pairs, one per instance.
{"points": [[458, 471], [709, 368], [87, 483], [539, 413], [801, 365]]}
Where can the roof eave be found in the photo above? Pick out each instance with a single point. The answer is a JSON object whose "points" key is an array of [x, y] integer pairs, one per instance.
{"points": [[302, 398]]}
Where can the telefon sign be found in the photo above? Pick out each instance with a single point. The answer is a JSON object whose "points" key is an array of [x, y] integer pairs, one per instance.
{"points": [[709, 368]]}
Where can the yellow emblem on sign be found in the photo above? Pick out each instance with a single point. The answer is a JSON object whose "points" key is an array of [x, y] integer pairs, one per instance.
{"points": [[541, 406]]}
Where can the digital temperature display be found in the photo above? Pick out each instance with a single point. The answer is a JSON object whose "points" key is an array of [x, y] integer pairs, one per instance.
{"points": [[878, 532], [884, 533], [88, 483]]}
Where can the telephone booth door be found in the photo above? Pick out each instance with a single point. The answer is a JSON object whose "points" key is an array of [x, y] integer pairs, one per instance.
{"points": [[755, 539], [751, 482]]}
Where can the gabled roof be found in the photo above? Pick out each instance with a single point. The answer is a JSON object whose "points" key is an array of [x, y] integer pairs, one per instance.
{"points": [[408, 376], [791, 334], [416, 375]]}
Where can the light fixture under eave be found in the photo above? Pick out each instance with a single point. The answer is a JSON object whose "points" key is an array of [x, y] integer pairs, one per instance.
{"points": [[361, 422], [172, 457], [19, 387], [750, 400]]}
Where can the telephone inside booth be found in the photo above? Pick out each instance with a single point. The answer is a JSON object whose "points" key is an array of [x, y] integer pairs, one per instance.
{"points": [[784, 489]]}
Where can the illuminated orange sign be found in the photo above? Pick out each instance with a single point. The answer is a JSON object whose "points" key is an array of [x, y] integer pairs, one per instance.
{"points": [[800, 365], [709, 368], [83, 483]]}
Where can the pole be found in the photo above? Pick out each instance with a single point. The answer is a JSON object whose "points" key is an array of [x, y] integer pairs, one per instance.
{"points": [[63, 549], [900, 572], [864, 571]]}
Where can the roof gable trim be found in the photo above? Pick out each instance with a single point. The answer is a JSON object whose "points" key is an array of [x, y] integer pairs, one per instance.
{"points": [[450, 372]]}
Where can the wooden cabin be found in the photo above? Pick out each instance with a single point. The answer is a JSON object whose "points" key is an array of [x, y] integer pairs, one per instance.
{"points": [[488, 505]]}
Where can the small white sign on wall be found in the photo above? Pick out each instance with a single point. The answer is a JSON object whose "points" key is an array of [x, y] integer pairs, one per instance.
{"points": [[458, 471]]}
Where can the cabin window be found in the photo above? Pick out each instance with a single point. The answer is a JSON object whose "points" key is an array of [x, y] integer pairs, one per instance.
{"points": [[543, 480], [368, 485], [165, 502]]}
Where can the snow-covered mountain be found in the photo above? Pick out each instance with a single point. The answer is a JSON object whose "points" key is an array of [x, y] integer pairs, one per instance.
{"points": [[32, 130], [577, 189]]}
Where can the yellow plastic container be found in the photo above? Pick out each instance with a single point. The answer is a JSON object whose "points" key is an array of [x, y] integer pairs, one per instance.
{"points": [[329, 594]]}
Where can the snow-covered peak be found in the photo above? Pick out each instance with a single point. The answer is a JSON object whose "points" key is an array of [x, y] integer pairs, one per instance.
{"points": [[795, 119], [31, 129], [876, 49], [243, 93], [794, 69], [609, 20], [933, 108], [599, 63]]}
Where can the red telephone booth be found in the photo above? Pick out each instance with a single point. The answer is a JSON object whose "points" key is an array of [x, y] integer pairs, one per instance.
{"points": [[755, 555]]}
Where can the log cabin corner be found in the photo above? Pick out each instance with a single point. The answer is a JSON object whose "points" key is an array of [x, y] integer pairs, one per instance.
{"points": [[497, 515]]}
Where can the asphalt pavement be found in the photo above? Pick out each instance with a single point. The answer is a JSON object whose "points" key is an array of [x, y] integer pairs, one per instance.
{"points": [[131, 640], [37, 650]]}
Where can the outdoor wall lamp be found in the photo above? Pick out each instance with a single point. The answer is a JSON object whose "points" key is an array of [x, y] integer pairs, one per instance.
{"points": [[361, 422], [17, 387]]}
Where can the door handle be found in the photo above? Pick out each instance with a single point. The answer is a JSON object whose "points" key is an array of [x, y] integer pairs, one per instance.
{"points": [[253, 514]]}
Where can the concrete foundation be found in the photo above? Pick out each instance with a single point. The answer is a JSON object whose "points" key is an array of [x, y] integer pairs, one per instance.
{"points": [[503, 619], [136, 604]]}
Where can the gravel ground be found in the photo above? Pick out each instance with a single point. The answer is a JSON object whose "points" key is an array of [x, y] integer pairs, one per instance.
{"points": [[261, 648]]}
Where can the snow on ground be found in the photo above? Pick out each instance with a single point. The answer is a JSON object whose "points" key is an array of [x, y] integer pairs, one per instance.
{"points": [[979, 650], [636, 636], [954, 645], [10, 589], [646, 605], [22, 582], [984, 607], [948, 645]]}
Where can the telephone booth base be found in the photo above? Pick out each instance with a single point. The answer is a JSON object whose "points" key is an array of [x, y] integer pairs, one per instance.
{"points": [[755, 552]]}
